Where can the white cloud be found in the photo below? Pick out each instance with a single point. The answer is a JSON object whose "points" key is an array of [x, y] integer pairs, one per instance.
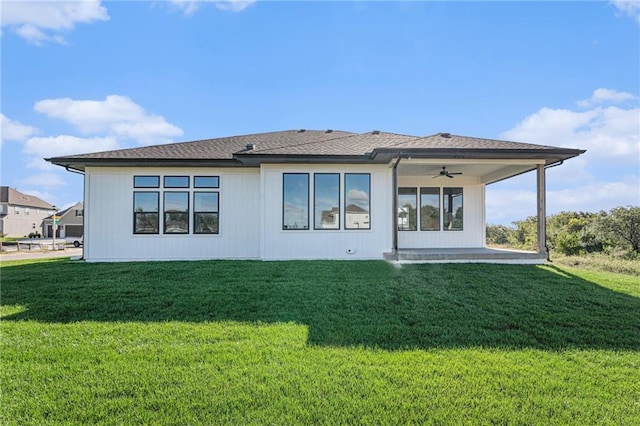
{"points": [[12, 130], [117, 115], [45, 180], [358, 196], [606, 133], [41, 21], [55, 146], [507, 205], [191, 6], [602, 95], [628, 7]]}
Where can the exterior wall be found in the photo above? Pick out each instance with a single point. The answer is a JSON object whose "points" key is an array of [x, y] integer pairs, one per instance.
{"points": [[109, 218], [473, 232], [327, 243], [20, 221]]}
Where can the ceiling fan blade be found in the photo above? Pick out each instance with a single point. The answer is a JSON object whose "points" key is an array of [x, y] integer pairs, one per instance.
{"points": [[449, 175], [456, 173], [437, 176]]}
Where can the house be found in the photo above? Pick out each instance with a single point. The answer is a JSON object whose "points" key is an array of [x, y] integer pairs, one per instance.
{"points": [[22, 214], [70, 225], [301, 194]]}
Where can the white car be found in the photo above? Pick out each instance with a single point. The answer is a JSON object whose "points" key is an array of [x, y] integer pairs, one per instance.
{"points": [[76, 241]]}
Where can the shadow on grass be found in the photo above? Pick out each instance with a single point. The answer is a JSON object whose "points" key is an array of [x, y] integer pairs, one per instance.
{"points": [[370, 304]]}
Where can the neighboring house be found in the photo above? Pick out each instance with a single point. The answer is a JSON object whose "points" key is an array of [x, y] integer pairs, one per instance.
{"points": [[22, 214], [299, 195], [70, 225]]}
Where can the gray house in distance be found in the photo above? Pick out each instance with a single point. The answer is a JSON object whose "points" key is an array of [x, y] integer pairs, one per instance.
{"points": [[22, 214], [304, 194], [70, 225]]}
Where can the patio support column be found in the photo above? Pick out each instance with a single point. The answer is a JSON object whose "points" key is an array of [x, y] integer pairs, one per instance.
{"points": [[542, 209]]}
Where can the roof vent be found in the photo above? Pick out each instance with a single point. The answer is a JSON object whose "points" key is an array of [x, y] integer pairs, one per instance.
{"points": [[250, 147], [301, 131], [445, 135], [329, 131], [375, 132]]}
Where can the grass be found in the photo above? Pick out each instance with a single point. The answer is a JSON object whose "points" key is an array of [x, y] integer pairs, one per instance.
{"points": [[601, 262], [317, 342]]}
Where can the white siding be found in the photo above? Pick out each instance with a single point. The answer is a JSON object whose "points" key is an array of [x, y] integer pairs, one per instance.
{"points": [[472, 234], [325, 244], [109, 218]]}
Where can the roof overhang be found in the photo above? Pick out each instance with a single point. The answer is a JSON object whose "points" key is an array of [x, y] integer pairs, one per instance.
{"points": [[80, 164]]}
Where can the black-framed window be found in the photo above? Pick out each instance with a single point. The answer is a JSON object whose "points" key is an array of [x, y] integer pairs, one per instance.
{"points": [[146, 212], [326, 201], [357, 200], [453, 209], [206, 216], [407, 209], [146, 181], [295, 201], [176, 212], [176, 182], [430, 209], [206, 182]]}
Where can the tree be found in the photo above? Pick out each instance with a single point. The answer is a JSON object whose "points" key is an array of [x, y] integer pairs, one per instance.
{"points": [[622, 225]]}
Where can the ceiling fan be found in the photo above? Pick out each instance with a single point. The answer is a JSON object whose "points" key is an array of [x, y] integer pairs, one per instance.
{"points": [[447, 173]]}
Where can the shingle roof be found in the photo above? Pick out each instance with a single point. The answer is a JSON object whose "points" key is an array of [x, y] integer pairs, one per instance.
{"points": [[249, 149], [14, 197]]}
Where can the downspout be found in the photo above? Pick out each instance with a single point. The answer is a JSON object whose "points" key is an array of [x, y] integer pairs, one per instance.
{"points": [[394, 204], [69, 169]]}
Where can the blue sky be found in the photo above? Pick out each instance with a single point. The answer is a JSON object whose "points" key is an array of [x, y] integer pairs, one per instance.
{"points": [[88, 76]]}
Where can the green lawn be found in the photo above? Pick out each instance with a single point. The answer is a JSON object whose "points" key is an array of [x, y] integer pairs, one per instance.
{"points": [[224, 342]]}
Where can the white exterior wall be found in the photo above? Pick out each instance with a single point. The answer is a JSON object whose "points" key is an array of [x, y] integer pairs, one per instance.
{"points": [[473, 233], [109, 217], [325, 244]]}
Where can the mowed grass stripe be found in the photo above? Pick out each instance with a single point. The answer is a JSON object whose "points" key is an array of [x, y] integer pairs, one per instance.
{"points": [[317, 342]]}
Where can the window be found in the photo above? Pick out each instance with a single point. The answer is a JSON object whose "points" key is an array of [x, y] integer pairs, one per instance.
{"points": [[357, 187], [452, 206], [176, 181], [205, 213], [176, 212], [146, 181], [79, 212], [206, 182], [16, 210], [295, 200], [407, 209], [326, 201], [26, 211], [145, 212], [429, 209]]}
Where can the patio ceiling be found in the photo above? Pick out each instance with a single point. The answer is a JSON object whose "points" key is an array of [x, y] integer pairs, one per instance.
{"points": [[481, 171]]}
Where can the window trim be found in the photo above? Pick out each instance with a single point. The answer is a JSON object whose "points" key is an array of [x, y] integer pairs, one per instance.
{"points": [[444, 212], [196, 186], [135, 214], [439, 193], [195, 212], [316, 225], [164, 182], [164, 213], [146, 176], [308, 200], [347, 205], [415, 194]]}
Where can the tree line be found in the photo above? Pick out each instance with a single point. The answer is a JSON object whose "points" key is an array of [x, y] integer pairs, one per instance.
{"points": [[574, 233]]}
